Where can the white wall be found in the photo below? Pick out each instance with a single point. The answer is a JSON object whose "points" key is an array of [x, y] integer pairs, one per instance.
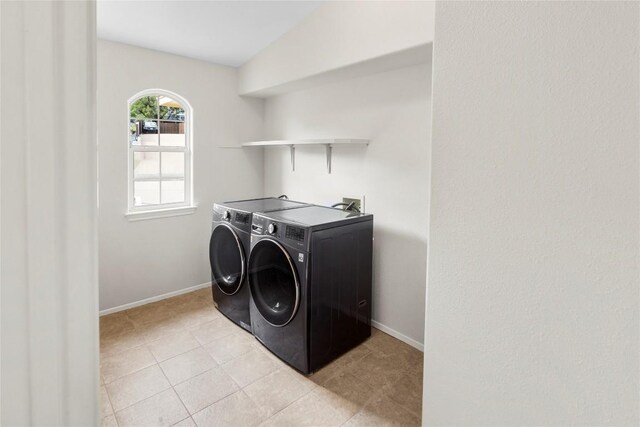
{"points": [[389, 108], [532, 305], [144, 259], [337, 35], [48, 215]]}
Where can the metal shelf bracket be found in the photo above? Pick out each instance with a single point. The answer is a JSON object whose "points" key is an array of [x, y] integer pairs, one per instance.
{"points": [[292, 151], [328, 149]]}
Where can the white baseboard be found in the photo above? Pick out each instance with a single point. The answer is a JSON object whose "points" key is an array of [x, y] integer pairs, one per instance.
{"points": [[413, 343], [154, 299]]}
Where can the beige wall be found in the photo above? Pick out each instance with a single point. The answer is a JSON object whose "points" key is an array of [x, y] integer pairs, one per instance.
{"points": [[148, 258], [532, 293]]}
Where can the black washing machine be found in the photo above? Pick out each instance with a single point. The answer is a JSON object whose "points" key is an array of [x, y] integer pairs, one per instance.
{"points": [[310, 274], [229, 251]]}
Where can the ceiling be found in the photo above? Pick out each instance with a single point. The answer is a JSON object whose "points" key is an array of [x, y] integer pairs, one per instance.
{"points": [[222, 32]]}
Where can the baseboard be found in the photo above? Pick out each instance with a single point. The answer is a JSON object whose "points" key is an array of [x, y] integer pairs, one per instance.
{"points": [[375, 324], [387, 330], [154, 299]]}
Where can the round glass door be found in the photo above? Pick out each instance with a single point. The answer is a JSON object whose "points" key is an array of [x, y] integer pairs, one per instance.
{"points": [[226, 256], [273, 282]]}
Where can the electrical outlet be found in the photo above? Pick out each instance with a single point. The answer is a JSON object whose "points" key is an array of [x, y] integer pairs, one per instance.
{"points": [[357, 202]]}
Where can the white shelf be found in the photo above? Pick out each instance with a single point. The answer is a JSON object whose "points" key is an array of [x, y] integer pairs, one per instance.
{"points": [[292, 143], [322, 141]]}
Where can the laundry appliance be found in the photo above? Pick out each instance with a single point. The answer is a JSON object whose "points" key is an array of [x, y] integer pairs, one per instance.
{"points": [[310, 274], [229, 251]]}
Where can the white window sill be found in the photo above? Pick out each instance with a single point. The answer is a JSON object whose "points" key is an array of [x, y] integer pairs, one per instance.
{"points": [[160, 213]]}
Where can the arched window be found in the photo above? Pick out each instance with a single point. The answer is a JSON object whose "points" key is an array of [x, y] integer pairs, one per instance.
{"points": [[159, 151]]}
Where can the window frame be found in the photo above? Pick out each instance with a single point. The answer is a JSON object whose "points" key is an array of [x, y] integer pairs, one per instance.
{"points": [[161, 209]]}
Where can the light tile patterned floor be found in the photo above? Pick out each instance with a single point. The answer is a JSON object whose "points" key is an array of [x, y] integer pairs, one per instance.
{"points": [[180, 362]]}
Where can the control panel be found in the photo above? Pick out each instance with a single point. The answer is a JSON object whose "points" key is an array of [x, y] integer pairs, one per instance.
{"points": [[285, 233], [294, 233], [242, 218]]}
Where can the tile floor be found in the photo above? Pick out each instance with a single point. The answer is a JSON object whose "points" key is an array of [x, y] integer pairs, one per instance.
{"points": [[180, 362]]}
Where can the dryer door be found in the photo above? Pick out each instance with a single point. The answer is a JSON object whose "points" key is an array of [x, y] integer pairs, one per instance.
{"points": [[273, 282], [226, 256]]}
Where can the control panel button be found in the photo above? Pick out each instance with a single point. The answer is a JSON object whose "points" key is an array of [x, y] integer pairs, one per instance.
{"points": [[272, 228], [226, 215]]}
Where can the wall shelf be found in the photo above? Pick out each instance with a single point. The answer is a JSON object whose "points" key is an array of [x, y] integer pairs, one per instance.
{"points": [[292, 143]]}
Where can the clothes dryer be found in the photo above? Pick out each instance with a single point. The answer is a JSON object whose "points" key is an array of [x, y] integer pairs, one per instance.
{"points": [[310, 274]]}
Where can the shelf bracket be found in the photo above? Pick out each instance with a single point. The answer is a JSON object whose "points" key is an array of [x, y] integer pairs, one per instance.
{"points": [[328, 148], [292, 151]]}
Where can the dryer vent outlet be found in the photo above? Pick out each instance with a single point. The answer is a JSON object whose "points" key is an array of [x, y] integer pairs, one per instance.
{"points": [[358, 203]]}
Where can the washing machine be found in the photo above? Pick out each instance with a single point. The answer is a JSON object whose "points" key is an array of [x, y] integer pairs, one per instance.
{"points": [[229, 251], [310, 274]]}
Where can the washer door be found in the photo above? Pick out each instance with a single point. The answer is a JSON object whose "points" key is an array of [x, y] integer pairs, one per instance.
{"points": [[226, 256], [273, 282]]}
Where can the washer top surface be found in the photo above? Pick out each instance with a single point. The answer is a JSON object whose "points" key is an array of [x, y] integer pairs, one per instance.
{"points": [[266, 204], [311, 216]]}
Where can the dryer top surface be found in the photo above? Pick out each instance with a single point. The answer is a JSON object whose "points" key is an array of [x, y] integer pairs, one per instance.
{"points": [[266, 204], [312, 216]]}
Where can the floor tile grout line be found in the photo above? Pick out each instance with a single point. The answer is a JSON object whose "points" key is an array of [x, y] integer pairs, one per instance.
{"points": [[130, 373], [113, 412], [195, 376], [144, 400], [227, 361], [364, 405], [153, 355], [177, 394], [352, 417], [143, 343], [339, 371], [175, 355], [244, 354], [277, 370], [394, 399], [155, 394], [183, 420], [189, 329], [181, 382], [240, 388], [309, 391], [162, 391], [189, 379], [175, 314]]}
